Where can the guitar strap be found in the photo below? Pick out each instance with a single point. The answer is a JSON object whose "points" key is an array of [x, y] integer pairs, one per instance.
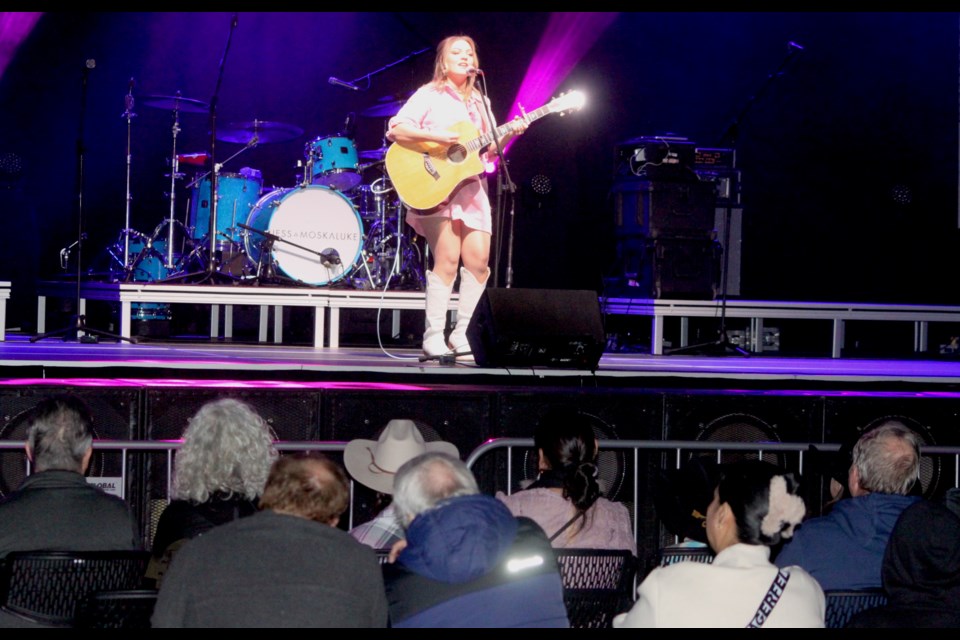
{"points": [[770, 599], [579, 515]]}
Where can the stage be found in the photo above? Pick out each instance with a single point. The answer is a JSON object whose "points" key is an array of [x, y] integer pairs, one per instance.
{"points": [[215, 360]]}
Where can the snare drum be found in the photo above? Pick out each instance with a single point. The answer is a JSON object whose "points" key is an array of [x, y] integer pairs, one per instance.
{"points": [[238, 193], [320, 220], [147, 263], [333, 163], [146, 259]]}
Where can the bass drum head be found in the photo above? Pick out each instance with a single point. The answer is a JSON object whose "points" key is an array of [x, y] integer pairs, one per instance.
{"points": [[322, 221]]}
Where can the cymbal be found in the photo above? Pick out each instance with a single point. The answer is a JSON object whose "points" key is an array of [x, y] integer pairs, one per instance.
{"points": [[264, 130], [176, 103], [385, 110], [373, 154]]}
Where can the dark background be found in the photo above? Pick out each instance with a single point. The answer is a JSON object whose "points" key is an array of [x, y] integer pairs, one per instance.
{"points": [[848, 148]]}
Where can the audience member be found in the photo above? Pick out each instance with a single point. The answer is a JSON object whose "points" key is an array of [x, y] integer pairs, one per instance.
{"points": [[921, 571], [844, 548], [681, 497], [374, 463], [565, 499], [288, 565], [55, 508], [219, 474], [755, 504], [466, 560]]}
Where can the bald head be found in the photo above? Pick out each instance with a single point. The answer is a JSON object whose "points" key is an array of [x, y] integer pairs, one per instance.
{"points": [[886, 459], [307, 485]]}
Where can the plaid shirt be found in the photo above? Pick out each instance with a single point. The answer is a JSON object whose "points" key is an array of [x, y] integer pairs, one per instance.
{"points": [[381, 532]]}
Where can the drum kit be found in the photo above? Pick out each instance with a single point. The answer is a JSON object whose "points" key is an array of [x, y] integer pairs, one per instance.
{"points": [[334, 227]]}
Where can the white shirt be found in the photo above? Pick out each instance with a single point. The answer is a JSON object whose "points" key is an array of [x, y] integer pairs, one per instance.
{"points": [[724, 593]]}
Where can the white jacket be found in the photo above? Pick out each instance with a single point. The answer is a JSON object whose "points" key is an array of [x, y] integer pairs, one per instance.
{"points": [[724, 593]]}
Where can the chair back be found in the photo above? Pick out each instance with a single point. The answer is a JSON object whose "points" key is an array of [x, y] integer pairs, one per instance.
{"points": [[677, 553], [47, 586], [597, 585], [118, 609], [843, 604]]}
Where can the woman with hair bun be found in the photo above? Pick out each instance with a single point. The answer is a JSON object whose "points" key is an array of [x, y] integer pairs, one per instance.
{"points": [[566, 498], [754, 507]]}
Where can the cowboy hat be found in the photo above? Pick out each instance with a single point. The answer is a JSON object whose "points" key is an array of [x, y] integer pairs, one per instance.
{"points": [[373, 463]]}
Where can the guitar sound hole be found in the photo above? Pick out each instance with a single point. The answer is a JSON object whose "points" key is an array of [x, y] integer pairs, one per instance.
{"points": [[457, 153]]}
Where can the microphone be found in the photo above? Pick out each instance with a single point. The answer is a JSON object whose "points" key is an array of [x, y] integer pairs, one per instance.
{"points": [[91, 63], [128, 100], [343, 83], [473, 71], [794, 45], [329, 257], [234, 24]]}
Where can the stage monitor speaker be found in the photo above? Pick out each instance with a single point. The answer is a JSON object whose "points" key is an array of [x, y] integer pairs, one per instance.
{"points": [[537, 328]]}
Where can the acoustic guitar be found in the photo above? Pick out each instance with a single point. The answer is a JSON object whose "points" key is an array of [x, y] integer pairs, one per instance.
{"points": [[424, 174]]}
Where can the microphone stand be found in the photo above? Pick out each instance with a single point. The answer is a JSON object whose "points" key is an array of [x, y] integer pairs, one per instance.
{"points": [[328, 258], [722, 342], [213, 262], [504, 185], [352, 84], [79, 331]]}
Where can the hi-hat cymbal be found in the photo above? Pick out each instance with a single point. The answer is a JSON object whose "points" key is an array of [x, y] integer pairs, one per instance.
{"points": [[262, 130], [176, 103]]}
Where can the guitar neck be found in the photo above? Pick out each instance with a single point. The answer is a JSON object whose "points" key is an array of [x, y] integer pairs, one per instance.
{"points": [[487, 138]]}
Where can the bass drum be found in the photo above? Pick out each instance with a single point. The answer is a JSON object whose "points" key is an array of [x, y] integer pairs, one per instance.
{"points": [[319, 234]]}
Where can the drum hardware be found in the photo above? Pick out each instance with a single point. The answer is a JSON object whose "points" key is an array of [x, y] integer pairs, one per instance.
{"points": [[224, 253], [129, 115], [177, 104], [395, 258]]}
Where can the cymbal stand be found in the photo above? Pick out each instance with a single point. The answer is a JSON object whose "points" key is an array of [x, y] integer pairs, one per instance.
{"points": [[174, 174], [129, 115]]}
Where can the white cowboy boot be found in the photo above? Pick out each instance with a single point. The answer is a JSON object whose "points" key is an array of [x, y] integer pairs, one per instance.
{"points": [[438, 299], [470, 291]]}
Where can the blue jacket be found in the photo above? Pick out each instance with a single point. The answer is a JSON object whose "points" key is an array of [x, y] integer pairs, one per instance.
{"points": [[844, 549], [456, 570]]}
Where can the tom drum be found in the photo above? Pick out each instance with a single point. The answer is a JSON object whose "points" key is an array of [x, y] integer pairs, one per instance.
{"points": [[334, 163]]}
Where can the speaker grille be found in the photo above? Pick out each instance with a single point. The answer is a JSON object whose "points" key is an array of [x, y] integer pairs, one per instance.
{"points": [[741, 427]]}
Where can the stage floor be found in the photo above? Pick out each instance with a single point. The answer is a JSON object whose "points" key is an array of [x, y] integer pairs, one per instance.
{"points": [[217, 360]]}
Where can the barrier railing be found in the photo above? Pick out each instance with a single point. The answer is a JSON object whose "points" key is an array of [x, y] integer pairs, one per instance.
{"points": [[145, 470]]}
